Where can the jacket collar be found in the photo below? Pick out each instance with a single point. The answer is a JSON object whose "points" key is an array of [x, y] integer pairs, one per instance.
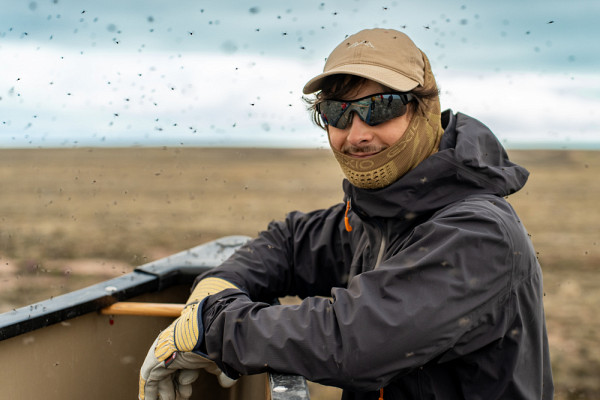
{"points": [[470, 161]]}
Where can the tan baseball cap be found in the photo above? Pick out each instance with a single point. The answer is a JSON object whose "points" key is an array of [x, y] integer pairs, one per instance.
{"points": [[382, 55]]}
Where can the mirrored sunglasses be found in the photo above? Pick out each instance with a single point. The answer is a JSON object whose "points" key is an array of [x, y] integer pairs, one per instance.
{"points": [[373, 109]]}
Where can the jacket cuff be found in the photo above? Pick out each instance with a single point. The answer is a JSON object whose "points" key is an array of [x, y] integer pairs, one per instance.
{"points": [[211, 308], [213, 305]]}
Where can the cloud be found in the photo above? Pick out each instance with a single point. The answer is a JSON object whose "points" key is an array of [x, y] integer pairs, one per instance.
{"points": [[89, 72], [150, 97], [214, 98], [525, 107]]}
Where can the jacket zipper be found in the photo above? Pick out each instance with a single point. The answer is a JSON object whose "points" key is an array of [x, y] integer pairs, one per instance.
{"points": [[382, 245]]}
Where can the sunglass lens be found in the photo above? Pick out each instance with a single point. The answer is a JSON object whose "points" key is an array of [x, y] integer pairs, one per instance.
{"points": [[386, 107], [331, 111]]}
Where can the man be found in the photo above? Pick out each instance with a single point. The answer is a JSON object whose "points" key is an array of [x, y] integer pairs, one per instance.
{"points": [[422, 284]]}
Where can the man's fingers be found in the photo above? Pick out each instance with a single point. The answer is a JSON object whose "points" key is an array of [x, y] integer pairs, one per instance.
{"points": [[166, 389], [148, 390], [184, 392], [225, 381], [187, 376]]}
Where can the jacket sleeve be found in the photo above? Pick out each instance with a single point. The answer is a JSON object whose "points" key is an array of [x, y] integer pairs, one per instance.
{"points": [[446, 290], [304, 255]]}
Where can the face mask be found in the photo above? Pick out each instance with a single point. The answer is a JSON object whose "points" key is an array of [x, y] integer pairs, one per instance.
{"points": [[420, 140]]}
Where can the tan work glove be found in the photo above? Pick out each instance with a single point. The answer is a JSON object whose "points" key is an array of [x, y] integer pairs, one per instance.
{"points": [[171, 367]]}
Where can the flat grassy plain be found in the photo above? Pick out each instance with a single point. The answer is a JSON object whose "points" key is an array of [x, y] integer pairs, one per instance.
{"points": [[73, 217]]}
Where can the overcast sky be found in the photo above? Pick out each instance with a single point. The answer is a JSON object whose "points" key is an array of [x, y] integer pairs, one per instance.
{"points": [[227, 73]]}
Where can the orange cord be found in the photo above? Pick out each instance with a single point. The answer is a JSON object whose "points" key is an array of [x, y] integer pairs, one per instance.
{"points": [[381, 394], [346, 218]]}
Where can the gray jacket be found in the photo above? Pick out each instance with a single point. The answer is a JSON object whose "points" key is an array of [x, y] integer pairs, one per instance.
{"points": [[436, 293]]}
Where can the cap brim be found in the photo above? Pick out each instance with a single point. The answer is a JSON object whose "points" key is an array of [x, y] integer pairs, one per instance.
{"points": [[375, 73]]}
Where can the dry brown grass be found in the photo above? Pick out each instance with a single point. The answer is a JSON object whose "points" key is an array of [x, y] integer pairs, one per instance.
{"points": [[71, 217]]}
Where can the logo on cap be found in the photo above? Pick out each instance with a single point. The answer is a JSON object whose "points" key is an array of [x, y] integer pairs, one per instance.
{"points": [[363, 43]]}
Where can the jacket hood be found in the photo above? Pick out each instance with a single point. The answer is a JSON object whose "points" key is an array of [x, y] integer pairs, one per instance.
{"points": [[470, 161]]}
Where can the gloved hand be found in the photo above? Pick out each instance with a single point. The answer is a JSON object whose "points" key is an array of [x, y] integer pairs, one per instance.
{"points": [[174, 361]]}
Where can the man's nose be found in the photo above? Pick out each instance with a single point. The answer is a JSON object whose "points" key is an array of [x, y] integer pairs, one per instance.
{"points": [[358, 131]]}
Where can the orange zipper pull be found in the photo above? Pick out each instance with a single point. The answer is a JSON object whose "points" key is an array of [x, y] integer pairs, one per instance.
{"points": [[381, 394], [346, 218]]}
